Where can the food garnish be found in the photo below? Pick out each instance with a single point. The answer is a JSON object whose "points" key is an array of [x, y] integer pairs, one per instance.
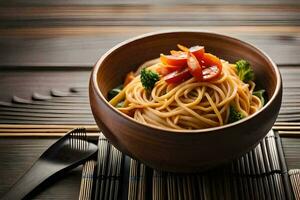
{"points": [[260, 95], [203, 66], [178, 76], [244, 71], [114, 92], [234, 114], [148, 78]]}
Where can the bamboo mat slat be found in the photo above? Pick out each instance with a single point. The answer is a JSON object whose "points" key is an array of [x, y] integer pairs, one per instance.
{"points": [[295, 180], [87, 179], [108, 173], [291, 148], [259, 174]]}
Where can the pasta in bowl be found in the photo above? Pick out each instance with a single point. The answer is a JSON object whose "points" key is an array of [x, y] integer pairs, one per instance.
{"points": [[200, 91], [184, 125]]}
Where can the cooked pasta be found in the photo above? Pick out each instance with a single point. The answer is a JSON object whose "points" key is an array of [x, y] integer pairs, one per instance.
{"points": [[191, 104]]}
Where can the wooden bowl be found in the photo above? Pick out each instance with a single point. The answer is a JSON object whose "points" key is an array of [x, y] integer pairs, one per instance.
{"points": [[189, 150]]}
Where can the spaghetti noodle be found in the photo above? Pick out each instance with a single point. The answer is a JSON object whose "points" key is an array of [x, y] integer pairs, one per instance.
{"points": [[191, 104]]}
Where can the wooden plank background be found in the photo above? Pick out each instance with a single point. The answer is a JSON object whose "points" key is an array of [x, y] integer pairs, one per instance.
{"points": [[54, 43]]}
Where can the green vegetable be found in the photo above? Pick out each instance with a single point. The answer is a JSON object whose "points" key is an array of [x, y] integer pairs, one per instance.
{"points": [[120, 104], [148, 79], [260, 95], [244, 71], [234, 115], [113, 92]]}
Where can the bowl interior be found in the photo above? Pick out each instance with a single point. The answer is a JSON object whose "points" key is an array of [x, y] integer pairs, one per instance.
{"points": [[127, 56]]}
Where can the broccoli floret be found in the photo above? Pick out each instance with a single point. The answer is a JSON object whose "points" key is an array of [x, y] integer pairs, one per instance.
{"points": [[244, 71], [260, 95], [148, 79], [234, 115], [113, 92]]}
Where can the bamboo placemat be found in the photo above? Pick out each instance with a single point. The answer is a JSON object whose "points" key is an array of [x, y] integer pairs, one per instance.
{"points": [[87, 179], [295, 180], [259, 174]]}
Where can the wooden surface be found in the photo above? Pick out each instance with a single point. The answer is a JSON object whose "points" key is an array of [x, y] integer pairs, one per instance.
{"points": [[82, 46], [53, 44], [17, 156]]}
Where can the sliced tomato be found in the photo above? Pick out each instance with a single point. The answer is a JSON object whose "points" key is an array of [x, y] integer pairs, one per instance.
{"points": [[178, 76], [173, 60], [210, 60], [203, 66], [198, 51], [162, 71], [210, 73], [178, 53], [166, 69], [194, 66], [212, 66]]}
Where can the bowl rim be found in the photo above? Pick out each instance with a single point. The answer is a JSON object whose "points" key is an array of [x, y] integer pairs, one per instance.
{"points": [[96, 68]]}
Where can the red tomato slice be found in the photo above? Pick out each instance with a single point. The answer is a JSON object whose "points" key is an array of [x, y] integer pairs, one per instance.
{"points": [[194, 66], [162, 71], [173, 60], [166, 69], [210, 73], [210, 60], [178, 76], [178, 53], [198, 51], [213, 66]]}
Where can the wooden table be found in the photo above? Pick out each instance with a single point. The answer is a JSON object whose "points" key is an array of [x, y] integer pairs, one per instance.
{"points": [[53, 44]]}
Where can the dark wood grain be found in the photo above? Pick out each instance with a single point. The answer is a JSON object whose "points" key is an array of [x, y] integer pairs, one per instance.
{"points": [[147, 2], [25, 83], [24, 152], [69, 152], [70, 35], [75, 46], [165, 14]]}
